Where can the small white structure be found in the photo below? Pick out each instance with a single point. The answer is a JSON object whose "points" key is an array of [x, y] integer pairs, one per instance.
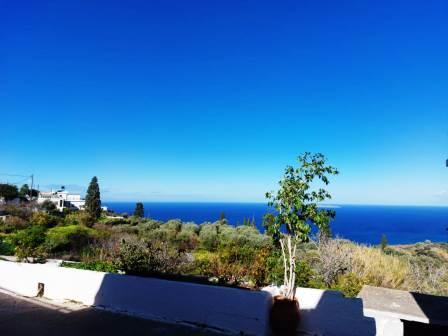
{"points": [[62, 199], [392, 309]]}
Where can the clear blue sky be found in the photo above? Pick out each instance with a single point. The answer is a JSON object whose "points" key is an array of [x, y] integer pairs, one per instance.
{"points": [[209, 100]]}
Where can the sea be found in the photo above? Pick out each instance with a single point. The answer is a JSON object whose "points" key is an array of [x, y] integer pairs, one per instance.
{"points": [[361, 223]]}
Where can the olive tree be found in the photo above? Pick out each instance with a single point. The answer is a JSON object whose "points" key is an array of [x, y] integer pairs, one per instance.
{"points": [[296, 204]]}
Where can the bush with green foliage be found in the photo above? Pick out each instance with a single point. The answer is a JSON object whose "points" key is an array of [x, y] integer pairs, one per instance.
{"points": [[79, 218], [72, 238], [12, 224], [23, 212], [349, 284], [209, 236], [6, 246], [187, 239], [48, 207], [98, 266], [183, 237], [140, 258], [306, 275], [44, 219], [247, 236], [133, 258], [233, 265], [233, 255], [148, 225], [115, 221], [29, 243], [8, 191]]}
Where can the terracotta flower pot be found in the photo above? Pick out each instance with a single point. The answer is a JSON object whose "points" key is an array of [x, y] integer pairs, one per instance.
{"points": [[284, 316]]}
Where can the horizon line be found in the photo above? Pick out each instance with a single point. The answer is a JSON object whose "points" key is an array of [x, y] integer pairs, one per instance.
{"points": [[258, 202]]}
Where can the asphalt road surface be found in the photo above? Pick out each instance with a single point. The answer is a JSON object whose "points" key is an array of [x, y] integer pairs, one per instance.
{"points": [[32, 317]]}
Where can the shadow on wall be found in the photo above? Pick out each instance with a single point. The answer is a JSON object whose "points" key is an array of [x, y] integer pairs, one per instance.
{"points": [[334, 314], [230, 309], [436, 310], [235, 310], [220, 309]]}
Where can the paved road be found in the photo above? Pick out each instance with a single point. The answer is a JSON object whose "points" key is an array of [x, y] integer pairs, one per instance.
{"points": [[20, 316]]}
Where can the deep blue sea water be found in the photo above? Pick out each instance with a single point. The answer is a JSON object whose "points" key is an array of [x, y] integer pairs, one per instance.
{"points": [[360, 223]]}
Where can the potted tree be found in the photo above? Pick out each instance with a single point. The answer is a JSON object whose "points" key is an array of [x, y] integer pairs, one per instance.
{"points": [[297, 210]]}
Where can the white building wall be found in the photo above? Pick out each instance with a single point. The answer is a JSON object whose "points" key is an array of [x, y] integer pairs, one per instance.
{"points": [[60, 199]]}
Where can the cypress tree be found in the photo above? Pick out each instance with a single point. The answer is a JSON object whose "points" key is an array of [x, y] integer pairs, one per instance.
{"points": [[93, 199], [222, 218], [139, 210], [383, 242]]}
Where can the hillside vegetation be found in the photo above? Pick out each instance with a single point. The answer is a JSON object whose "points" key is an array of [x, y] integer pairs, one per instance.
{"points": [[216, 252]]}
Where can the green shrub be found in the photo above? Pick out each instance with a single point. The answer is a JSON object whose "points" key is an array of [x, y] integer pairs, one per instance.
{"points": [[164, 232], [146, 226], [349, 284], [140, 258], [257, 272], [174, 225], [233, 265], [205, 263], [186, 240], [98, 266], [274, 266], [133, 258], [72, 238], [209, 236], [12, 224], [306, 276], [243, 236], [160, 234], [8, 191], [48, 207], [6, 246], [79, 218], [126, 228], [115, 221], [18, 211], [44, 219], [241, 254], [191, 227], [29, 243], [217, 264]]}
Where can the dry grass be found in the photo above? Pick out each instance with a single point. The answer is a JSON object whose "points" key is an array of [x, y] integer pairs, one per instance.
{"points": [[379, 269], [419, 267]]}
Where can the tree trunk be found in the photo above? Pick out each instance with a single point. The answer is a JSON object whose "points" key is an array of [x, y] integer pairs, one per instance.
{"points": [[289, 249]]}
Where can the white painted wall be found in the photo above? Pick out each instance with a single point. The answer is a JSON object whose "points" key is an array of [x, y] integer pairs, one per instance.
{"points": [[228, 309], [233, 310], [326, 312], [60, 196]]}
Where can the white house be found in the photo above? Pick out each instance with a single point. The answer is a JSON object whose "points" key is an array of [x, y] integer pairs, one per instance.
{"points": [[62, 199]]}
